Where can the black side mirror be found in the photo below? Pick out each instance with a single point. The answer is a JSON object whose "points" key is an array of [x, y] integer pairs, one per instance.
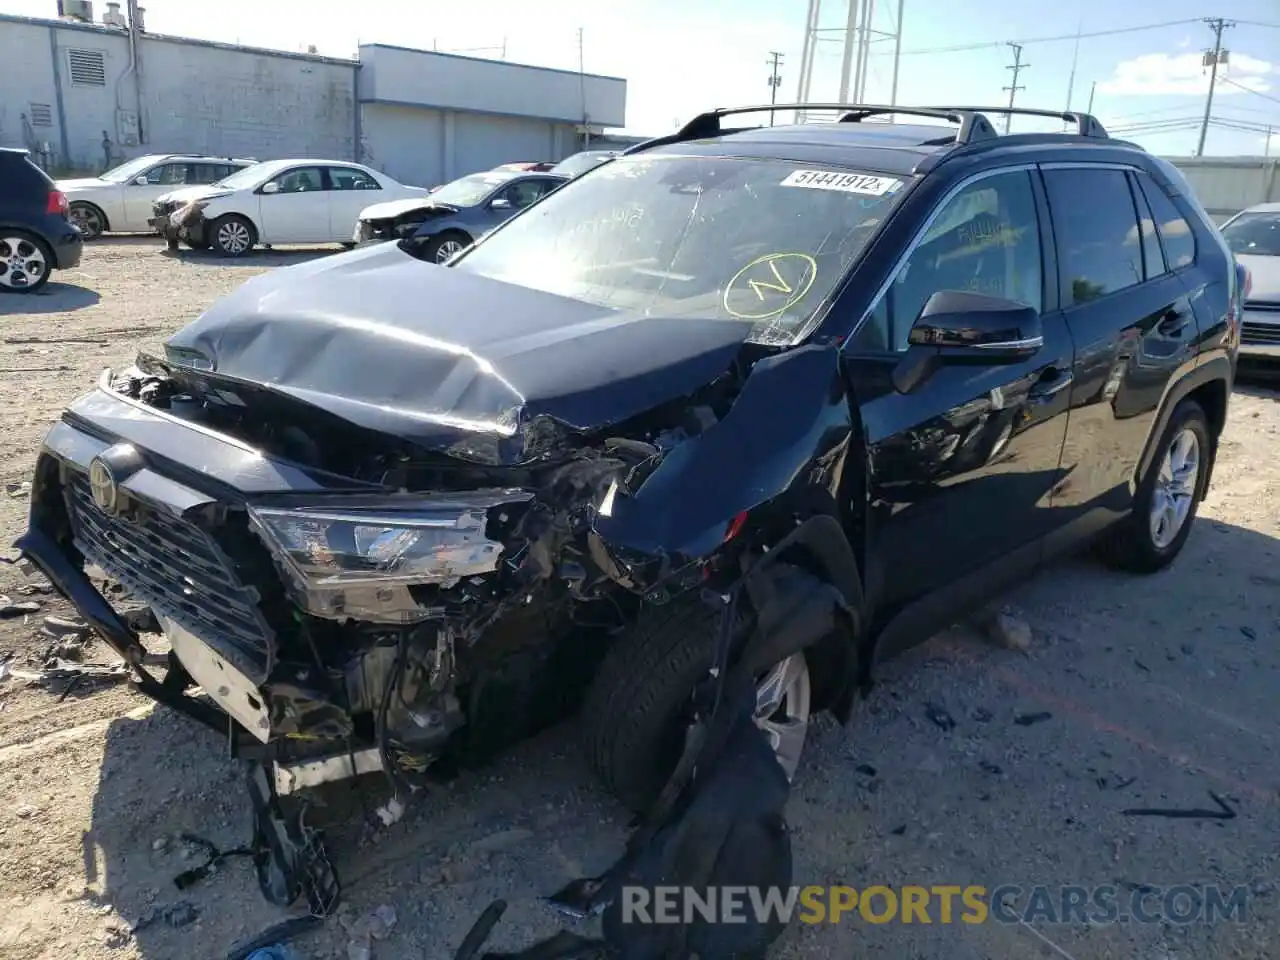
{"points": [[960, 327]]}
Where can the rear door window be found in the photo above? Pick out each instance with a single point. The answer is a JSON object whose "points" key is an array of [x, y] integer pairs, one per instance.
{"points": [[1175, 232], [347, 178], [1096, 227]]}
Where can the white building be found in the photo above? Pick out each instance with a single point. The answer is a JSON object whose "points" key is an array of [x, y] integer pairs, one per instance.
{"points": [[423, 117]]}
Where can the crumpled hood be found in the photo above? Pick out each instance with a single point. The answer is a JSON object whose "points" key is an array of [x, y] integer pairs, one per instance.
{"points": [[85, 183], [390, 209], [187, 194], [451, 360]]}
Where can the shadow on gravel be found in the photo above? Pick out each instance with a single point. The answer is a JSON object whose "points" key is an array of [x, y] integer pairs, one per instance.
{"points": [[53, 297], [894, 800], [1259, 380], [258, 258]]}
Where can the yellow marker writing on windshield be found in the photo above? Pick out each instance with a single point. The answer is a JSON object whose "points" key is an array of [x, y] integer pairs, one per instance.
{"points": [[777, 281]]}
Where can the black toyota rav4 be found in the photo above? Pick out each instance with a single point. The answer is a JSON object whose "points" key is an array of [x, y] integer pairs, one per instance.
{"points": [[857, 377]]}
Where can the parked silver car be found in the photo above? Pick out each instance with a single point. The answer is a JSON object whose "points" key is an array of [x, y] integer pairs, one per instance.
{"points": [[1254, 237]]}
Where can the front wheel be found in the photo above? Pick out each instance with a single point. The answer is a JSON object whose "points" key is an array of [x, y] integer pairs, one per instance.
{"points": [[639, 705], [446, 246], [232, 235], [25, 262], [1164, 508]]}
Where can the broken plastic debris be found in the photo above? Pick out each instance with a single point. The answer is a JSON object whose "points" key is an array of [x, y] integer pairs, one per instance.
{"points": [[9, 609], [1027, 719], [391, 811]]}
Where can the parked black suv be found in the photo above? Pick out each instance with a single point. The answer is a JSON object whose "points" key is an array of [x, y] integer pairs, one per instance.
{"points": [[847, 379], [36, 235]]}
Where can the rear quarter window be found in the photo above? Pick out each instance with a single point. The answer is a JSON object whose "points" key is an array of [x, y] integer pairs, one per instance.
{"points": [[1176, 235]]}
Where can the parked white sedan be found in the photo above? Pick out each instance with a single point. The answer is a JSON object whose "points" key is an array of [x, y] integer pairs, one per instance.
{"points": [[280, 201], [120, 200]]}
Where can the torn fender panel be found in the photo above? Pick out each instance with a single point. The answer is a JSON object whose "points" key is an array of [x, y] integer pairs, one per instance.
{"points": [[787, 431], [430, 354]]}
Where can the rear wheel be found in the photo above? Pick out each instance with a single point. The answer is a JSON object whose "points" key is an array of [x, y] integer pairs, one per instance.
{"points": [[639, 704], [25, 262], [1164, 507], [232, 235], [90, 220]]}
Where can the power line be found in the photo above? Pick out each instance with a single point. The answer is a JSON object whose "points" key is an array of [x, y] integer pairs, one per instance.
{"points": [[1017, 67], [1256, 93], [1213, 59], [992, 44]]}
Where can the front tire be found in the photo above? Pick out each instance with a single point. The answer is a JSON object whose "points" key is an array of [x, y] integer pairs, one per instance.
{"points": [[25, 262], [1164, 508], [232, 235], [89, 219], [449, 244], [636, 711]]}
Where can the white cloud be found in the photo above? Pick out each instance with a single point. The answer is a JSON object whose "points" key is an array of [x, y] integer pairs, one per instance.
{"points": [[1184, 73]]}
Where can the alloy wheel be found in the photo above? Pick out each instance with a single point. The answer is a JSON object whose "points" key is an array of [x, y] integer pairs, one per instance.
{"points": [[233, 237], [87, 220], [782, 710], [22, 263], [448, 249], [1175, 488]]}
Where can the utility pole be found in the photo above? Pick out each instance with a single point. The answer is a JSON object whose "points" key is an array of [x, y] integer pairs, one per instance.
{"points": [[1211, 60], [1093, 88], [1017, 67], [582, 85], [775, 79]]}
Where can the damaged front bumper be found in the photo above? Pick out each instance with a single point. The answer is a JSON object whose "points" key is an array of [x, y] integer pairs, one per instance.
{"points": [[175, 221], [110, 492]]}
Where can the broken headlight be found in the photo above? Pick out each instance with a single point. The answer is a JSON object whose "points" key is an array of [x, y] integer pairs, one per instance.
{"points": [[359, 564]]}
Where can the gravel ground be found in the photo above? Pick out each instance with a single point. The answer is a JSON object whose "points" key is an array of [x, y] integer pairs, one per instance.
{"points": [[1151, 692]]}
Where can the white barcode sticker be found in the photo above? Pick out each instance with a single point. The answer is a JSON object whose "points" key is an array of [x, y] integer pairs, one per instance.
{"points": [[847, 182]]}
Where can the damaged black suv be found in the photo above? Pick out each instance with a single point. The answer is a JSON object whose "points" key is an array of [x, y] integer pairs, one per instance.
{"points": [[392, 516]]}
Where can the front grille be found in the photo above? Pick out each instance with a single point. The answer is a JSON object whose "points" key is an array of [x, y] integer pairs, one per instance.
{"points": [[179, 570], [1267, 334]]}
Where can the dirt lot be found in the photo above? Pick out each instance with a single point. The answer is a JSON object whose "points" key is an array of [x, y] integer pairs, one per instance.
{"points": [[1150, 693]]}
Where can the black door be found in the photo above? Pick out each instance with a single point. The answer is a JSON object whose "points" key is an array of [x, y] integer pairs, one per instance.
{"points": [[1133, 325], [961, 467]]}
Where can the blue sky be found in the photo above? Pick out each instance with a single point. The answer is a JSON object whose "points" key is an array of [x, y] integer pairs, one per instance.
{"points": [[682, 56]]}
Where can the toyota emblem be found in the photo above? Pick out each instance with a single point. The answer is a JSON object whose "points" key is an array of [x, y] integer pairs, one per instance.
{"points": [[102, 484]]}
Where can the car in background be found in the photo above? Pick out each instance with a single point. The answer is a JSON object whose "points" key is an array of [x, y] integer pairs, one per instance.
{"points": [[119, 201], [1254, 237], [579, 163], [456, 215], [36, 232], [527, 166], [280, 201]]}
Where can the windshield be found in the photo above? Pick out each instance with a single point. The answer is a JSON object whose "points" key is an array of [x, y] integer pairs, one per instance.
{"points": [[468, 191], [129, 169], [750, 241], [580, 163], [244, 177], [1256, 233]]}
